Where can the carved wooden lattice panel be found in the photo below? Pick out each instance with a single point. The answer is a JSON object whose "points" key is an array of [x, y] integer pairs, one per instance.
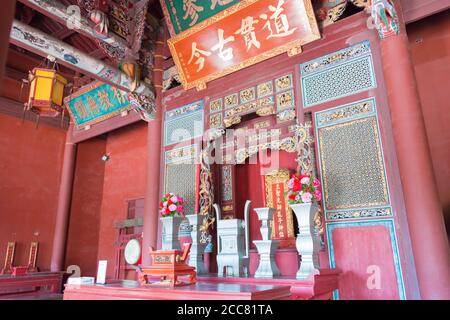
{"points": [[343, 73], [351, 159], [180, 179], [183, 123]]}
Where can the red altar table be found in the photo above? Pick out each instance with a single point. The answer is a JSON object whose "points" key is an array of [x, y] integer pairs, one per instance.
{"points": [[31, 285], [319, 286], [131, 290]]}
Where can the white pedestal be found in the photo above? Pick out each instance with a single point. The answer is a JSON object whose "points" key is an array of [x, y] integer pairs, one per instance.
{"points": [[196, 255], [266, 248], [267, 266]]}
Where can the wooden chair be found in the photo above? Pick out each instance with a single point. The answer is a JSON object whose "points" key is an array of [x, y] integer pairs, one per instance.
{"points": [[9, 259], [32, 258]]}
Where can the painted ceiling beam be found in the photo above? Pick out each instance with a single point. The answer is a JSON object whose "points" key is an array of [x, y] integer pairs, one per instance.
{"points": [[36, 41], [44, 45], [64, 15]]}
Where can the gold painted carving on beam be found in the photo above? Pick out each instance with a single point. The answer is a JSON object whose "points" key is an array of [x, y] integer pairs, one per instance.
{"points": [[231, 101], [215, 106], [215, 120], [265, 89], [283, 83], [247, 95]]}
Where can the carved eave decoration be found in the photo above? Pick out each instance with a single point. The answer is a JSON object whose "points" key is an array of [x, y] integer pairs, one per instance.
{"points": [[171, 78], [328, 12]]}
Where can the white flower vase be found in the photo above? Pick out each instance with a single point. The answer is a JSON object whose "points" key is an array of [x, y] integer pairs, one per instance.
{"points": [[308, 242], [171, 227]]}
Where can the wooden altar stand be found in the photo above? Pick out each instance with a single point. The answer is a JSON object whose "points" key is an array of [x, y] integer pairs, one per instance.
{"points": [[211, 287]]}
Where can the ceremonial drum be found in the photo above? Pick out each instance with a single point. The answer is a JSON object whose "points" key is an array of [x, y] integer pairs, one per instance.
{"points": [[133, 252]]}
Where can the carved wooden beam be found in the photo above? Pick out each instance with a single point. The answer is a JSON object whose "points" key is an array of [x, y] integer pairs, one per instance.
{"points": [[72, 18], [37, 41], [40, 43]]}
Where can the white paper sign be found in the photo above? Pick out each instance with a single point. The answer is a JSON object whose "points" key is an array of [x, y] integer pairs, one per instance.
{"points": [[101, 272]]}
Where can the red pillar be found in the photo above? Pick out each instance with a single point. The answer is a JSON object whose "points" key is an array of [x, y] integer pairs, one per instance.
{"points": [[152, 195], [424, 212], [8, 9], [64, 201]]}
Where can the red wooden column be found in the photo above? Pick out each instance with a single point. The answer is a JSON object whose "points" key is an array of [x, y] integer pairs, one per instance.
{"points": [[424, 212], [151, 206], [64, 201], [8, 9]]}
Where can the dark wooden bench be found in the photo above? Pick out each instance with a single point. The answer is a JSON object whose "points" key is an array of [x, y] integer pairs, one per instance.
{"points": [[32, 284]]}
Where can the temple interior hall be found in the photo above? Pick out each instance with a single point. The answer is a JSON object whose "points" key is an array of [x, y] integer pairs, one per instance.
{"points": [[225, 149]]}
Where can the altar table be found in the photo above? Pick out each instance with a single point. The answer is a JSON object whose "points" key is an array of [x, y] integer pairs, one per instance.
{"points": [[131, 290], [318, 286]]}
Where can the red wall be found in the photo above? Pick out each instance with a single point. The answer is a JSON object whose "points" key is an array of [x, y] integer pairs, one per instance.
{"points": [[356, 249], [430, 49], [30, 167], [84, 226], [124, 179]]}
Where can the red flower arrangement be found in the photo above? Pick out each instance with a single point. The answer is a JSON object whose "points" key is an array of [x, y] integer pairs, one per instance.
{"points": [[171, 205], [303, 189]]}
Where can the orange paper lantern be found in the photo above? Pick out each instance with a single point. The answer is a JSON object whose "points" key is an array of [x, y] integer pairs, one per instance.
{"points": [[46, 92]]}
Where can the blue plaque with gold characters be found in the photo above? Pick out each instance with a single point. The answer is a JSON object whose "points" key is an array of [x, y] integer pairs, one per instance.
{"points": [[97, 102]]}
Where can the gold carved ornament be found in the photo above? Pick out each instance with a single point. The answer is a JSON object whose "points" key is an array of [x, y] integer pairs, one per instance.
{"points": [[305, 151], [266, 111], [228, 122], [306, 163], [206, 194]]}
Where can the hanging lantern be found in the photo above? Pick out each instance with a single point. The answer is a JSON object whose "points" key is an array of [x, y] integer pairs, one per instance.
{"points": [[46, 92]]}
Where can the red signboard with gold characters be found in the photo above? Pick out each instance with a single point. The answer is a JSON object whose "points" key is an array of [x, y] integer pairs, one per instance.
{"points": [[275, 185], [242, 35]]}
